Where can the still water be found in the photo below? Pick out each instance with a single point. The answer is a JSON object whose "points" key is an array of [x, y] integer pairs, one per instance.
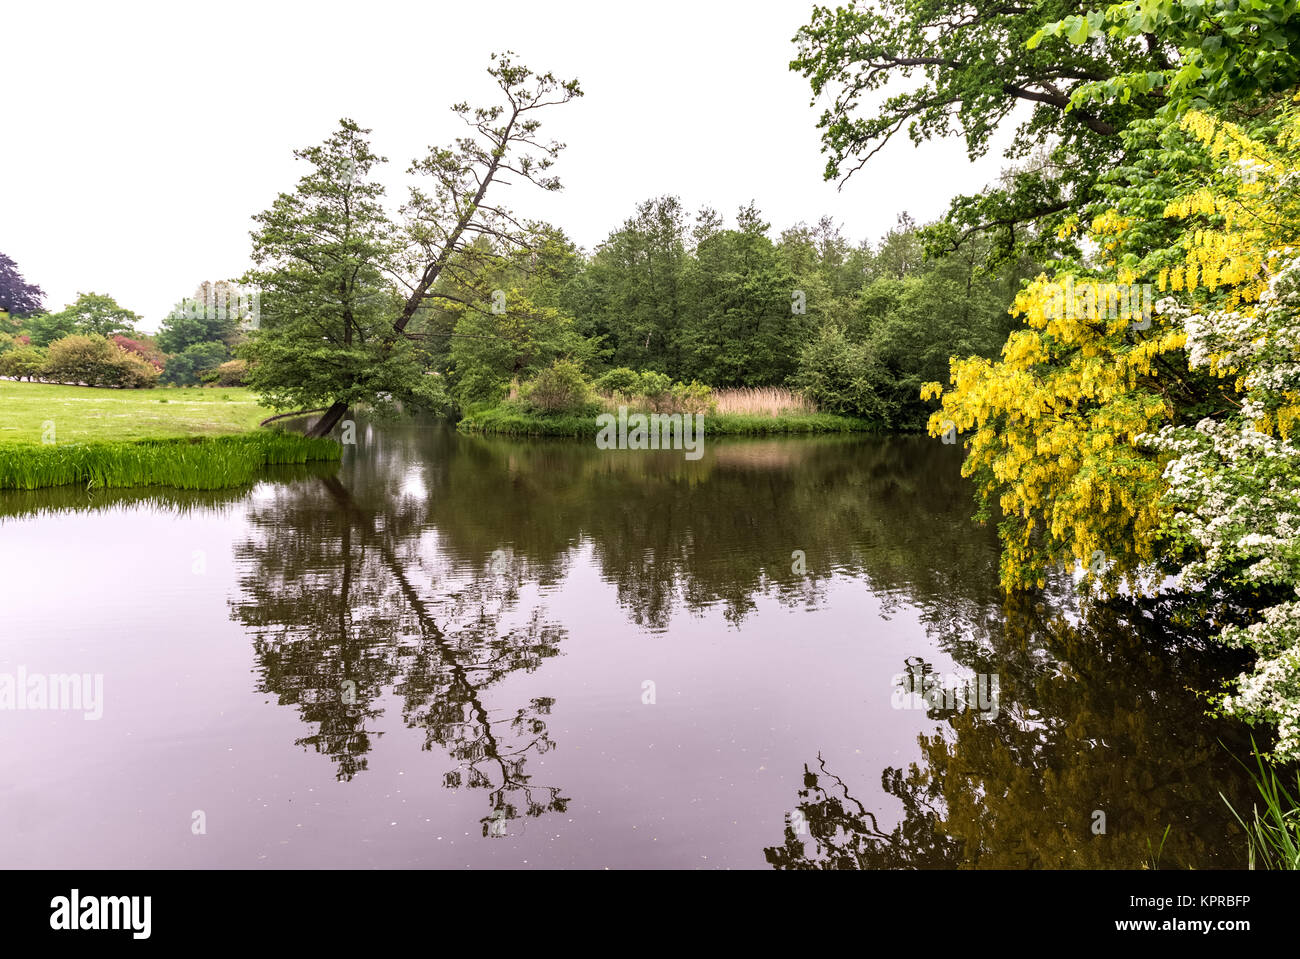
{"points": [[456, 652]]}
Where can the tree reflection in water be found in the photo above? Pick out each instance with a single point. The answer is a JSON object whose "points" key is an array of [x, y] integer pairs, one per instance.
{"points": [[354, 587], [336, 604], [1098, 716]]}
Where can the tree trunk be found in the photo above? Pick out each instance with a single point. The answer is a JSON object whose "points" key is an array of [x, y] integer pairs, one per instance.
{"points": [[328, 420]]}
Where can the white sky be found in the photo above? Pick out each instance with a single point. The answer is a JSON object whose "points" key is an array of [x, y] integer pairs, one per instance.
{"points": [[141, 137]]}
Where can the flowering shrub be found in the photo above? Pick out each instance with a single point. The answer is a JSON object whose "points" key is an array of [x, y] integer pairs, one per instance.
{"points": [[1235, 485], [144, 349]]}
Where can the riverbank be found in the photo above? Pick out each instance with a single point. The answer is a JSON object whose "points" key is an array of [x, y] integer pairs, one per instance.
{"points": [[194, 439], [501, 420]]}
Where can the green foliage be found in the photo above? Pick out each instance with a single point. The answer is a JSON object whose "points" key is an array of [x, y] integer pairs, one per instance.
{"points": [[195, 463], [1273, 835], [187, 367], [206, 318], [654, 392], [490, 350], [559, 389], [23, 362], [93, 314], [323, 256], [912, 65], [618, 380], [838, 374], [901, 329], [1228, 53], [96, 361]]}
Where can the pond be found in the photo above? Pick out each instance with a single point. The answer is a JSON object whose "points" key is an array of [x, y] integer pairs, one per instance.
{"points": [[454, 651]]}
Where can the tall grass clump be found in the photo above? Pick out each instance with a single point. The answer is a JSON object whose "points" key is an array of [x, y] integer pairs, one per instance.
{"points": [[1272, 833], [186, 463], [763, 401]]}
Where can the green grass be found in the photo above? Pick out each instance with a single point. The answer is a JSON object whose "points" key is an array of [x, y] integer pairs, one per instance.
{"points": [[1273, 833], [197, 463], [502, 420], [83, 414]]}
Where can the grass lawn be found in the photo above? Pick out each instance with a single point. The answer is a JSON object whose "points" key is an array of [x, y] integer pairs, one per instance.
{"points": [[85, 414]]}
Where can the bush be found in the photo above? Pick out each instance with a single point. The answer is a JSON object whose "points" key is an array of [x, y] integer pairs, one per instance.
{"points": [[96, 361], [620, 380], [23, 362], [691, 397], [143, 348], [655, 392], [136, 372], [836, 374], [560, 388], [231, 373]]}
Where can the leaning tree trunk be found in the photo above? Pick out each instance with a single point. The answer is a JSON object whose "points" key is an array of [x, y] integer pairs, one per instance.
{"points": [[329, 419]]}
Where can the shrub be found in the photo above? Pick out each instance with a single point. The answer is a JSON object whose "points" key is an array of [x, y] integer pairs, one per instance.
{"points": [[655, 392], [619, 380], [232, 373], [135, 372], [143, 348], [836, 374], [560, 388], [691, 397], [23, 362], [96, 361], [656, 389]]}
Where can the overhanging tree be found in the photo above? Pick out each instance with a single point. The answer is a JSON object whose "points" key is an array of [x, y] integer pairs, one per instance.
{"points": [[935, 69]]}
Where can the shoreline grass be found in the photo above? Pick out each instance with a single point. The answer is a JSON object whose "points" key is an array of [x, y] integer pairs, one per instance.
{"points": [[504, 421], [190, 463], [1273, 835]]}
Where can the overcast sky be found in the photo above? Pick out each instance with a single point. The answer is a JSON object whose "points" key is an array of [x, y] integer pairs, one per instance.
{"points": [[141, 138]]}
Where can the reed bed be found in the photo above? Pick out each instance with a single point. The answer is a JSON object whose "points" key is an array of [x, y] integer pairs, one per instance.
{"points": [[194, 463], [763, 401]]}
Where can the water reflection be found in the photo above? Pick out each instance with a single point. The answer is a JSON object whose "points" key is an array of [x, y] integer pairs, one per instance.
{"points": [[428, 582], [336, 597], [1104, 746]]}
